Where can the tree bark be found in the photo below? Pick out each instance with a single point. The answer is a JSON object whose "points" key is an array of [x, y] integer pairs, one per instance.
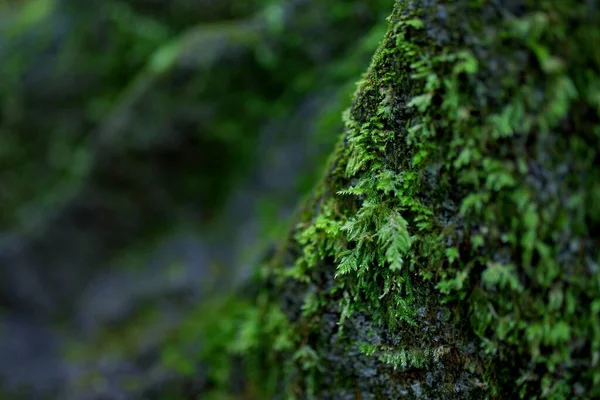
{"points": [[451, 250]]}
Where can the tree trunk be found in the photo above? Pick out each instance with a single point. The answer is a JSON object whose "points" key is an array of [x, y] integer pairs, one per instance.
{"points": [[449, 251]]}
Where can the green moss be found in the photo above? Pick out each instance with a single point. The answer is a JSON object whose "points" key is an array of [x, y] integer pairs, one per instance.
{"points": [[465, 177], [450, 250]]}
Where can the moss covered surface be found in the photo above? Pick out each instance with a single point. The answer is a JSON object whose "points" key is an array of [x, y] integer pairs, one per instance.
{"points": [[451, 250]]}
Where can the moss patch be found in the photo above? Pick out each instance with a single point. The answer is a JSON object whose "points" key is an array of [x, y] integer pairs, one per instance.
{"points": [[450, 252]]}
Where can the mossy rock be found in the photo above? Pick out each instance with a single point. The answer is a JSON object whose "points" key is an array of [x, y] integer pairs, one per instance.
{"points": [[451, 249]]}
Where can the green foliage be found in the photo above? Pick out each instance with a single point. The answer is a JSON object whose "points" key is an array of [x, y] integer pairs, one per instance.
{"points": [[201, 338]]}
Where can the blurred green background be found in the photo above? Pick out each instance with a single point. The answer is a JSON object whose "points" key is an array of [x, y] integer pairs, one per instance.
{"points": [[151, 151]]}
